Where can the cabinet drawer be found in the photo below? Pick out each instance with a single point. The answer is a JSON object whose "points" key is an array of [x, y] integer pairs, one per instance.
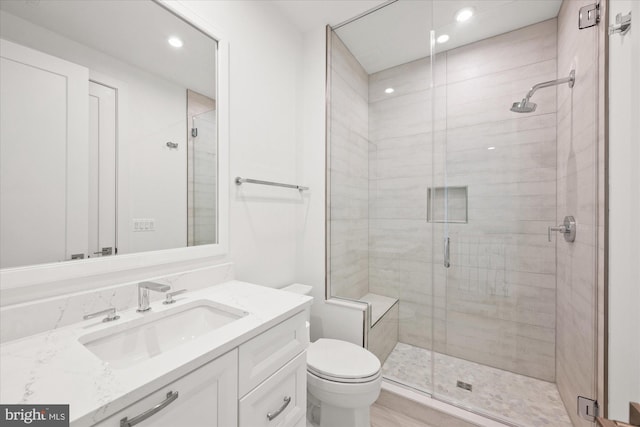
{"points": [[290, 382], [266, 353], [203, 398]]}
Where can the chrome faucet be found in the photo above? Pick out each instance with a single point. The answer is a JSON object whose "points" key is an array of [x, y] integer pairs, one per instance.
{"points": [[143, 294]]}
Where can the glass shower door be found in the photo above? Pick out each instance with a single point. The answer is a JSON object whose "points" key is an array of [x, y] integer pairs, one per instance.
{"points": [[515, 305]]}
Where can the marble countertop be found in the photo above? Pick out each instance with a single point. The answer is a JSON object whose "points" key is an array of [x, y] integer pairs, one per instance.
{"points": [[53, 367]]}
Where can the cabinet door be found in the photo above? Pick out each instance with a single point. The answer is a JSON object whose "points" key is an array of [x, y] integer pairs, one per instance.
{"points": [[280, 401], [206, 397], [269, 351]]}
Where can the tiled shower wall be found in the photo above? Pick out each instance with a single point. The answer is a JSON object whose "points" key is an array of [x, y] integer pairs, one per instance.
{"points": [[348, 174], [400, 170], [496, 304]]}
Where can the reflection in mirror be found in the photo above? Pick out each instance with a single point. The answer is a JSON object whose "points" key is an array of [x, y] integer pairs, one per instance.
{"points": [[202, 178], [108, 131]]}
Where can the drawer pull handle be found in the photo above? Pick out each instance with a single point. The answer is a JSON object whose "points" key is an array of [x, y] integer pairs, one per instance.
{"points": [[171, 396], [272, 415]]}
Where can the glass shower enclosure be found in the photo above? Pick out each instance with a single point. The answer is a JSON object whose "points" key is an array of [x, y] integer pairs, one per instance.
{"points": [[441, 198]]}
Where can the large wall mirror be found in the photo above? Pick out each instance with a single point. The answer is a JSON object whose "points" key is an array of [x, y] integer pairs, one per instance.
{"points": [[110, 131]]}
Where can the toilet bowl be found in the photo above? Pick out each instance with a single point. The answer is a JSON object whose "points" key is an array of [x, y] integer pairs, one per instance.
{"points": [[343, 380]]}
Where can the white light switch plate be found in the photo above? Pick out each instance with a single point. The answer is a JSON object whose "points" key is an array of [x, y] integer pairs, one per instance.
{"points": [[144, 224]]}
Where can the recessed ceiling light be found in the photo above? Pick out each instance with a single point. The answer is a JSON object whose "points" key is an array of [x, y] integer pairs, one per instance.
{"points": [[389, 90], [491, 148], [175, 42], [443, 38], [464, 14]]}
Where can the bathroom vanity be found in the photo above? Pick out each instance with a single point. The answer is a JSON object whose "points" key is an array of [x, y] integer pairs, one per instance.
{"points": [[228, 355]]}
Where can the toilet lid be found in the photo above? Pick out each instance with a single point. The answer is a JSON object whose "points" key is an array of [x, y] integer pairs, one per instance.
{"points": [[341, 361]]}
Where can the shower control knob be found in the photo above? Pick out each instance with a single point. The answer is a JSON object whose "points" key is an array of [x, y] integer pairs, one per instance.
{"points": [[568, 228]]}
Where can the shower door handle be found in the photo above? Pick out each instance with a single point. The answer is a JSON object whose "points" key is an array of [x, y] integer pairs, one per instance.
{"points": [[447, 262]]}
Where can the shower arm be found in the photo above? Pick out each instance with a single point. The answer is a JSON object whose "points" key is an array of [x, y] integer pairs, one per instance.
{"points": [[571, 80]]}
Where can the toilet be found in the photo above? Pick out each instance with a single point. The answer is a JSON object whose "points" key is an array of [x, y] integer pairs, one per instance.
{"points": [[343, 380]]}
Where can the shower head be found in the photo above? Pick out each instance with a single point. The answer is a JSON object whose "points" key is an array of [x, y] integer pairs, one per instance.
{"points": [[524, 106]]}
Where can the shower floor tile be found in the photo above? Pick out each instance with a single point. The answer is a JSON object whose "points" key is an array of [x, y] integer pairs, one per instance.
{"points": [[515, 398]]}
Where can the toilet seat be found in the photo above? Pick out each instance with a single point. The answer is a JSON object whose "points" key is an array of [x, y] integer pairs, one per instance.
{"points": [[343, 380], [342, 362]]}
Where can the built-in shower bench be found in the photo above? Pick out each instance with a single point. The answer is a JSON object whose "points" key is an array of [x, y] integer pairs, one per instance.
{"points": [[383, 332], [379, 305]]}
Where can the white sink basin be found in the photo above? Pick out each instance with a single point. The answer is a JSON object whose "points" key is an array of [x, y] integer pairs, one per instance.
{"points": [[125, 345]]}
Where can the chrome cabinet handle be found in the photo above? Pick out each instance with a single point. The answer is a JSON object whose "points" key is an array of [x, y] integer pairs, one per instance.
{"points": [[272, 415], [447, 261], [171, 396]]}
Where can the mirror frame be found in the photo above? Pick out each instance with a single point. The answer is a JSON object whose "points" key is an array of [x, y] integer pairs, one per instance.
{"points": [[12, 279]]}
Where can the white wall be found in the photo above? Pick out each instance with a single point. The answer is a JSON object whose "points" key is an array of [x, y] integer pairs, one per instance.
{"points": [[332, 320], [265, 70], [624, 212], [310, 261], [276, 133]]}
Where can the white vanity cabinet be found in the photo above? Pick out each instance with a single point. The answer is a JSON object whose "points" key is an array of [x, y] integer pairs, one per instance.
{"points": [[260, 383], [273, 376], [205, 397]]}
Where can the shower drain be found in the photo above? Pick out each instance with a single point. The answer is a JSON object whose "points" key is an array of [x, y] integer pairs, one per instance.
{"points": [[464, 385]]}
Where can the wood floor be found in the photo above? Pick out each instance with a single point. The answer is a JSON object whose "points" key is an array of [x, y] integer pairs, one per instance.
{"points": [[382, 416]]}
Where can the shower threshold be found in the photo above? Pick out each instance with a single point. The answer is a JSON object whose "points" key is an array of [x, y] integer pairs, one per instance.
{"points": [[514, 399]]}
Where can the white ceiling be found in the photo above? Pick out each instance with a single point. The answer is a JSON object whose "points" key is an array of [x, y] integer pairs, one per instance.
{"points": [[308, 15], [394, 34], [400, 32], [135, 32]]}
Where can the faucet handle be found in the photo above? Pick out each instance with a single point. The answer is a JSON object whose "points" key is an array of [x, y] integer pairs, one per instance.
{"points": [[110, 312], [169, 299]]}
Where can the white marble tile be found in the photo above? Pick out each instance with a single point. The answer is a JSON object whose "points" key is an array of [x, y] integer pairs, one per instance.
{"points": [[383, 335], [348, 175], [406, 78], [405, 115], [53, 366], [514, 398], [528, 45], [25, 319], [344, 64], [405, 156], [348, 107], [398, 199]]}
